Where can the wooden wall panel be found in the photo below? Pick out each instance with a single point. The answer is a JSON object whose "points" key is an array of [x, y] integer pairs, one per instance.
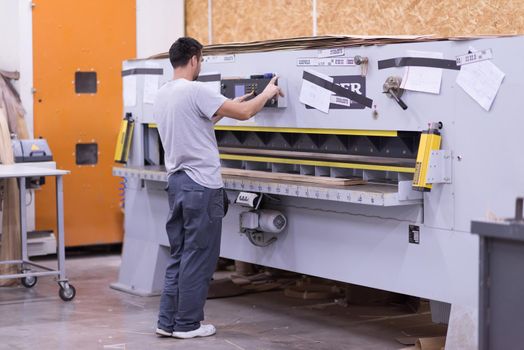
{"points": [[240, 20], [196, 20], [444, 17]]}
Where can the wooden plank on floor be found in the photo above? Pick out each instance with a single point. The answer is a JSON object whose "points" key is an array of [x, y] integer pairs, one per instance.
{"points": [[323, 180]]}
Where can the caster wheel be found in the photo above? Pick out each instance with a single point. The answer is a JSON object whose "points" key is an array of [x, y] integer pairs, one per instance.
{"points": [[29, 282], [67, 294]]}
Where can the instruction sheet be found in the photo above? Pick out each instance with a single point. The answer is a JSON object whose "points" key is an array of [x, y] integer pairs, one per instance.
{"points": [[423, 79], [481, 80]]}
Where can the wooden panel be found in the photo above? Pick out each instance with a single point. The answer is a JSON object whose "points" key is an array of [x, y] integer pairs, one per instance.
{"points": [[196, 20], [240, 20], [94, 35], [446, 17], [333, 181]]}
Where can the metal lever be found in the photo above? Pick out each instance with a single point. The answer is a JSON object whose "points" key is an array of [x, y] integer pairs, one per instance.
{"points": [[401, 103], [392, 88]]}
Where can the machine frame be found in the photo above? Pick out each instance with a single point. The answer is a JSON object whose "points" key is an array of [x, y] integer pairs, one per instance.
{"points": [[359, 234]]}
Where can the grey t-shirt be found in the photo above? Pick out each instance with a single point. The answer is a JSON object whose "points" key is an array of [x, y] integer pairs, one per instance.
{"points": [[183, 110]]}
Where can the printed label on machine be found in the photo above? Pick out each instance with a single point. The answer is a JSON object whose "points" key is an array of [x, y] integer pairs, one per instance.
{"points": [[339, 51], [328, 61], [473, 57], [219, 59], [354, 83]]}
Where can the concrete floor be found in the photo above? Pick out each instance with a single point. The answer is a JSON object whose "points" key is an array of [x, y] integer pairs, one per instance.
{"points": [[102, 318]]}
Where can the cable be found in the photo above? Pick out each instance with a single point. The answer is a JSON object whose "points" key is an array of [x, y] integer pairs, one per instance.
{"points": [[252, 240], [122, 192]]}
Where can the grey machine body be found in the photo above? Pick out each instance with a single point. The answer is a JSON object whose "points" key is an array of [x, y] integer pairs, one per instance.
{"points": [[358, 234]]}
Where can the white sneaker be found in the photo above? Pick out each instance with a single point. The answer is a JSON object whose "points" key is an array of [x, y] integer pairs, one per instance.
{"points": [[163, 333], [205, 330]]}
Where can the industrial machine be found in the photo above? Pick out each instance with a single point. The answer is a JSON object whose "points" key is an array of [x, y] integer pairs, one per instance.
{"points": [[426, 144]]}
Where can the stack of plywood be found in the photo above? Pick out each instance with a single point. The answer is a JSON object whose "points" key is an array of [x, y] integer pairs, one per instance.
{"points": [[317, 42], [319, 180]]}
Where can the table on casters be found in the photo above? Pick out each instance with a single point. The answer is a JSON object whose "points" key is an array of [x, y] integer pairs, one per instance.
{"points": [[28, 270]]}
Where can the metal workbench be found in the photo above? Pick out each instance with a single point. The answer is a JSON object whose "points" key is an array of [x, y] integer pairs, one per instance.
{"points": [[30, 271]]}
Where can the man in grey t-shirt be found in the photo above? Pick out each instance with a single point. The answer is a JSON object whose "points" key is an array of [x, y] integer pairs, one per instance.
{"points": [[185, 111]]}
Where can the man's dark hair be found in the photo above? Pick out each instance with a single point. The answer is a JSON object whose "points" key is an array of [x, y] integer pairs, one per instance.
{"points": [[182, 50]]}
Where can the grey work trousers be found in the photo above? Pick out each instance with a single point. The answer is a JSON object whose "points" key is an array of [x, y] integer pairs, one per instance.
{"points": [[194, 228]]}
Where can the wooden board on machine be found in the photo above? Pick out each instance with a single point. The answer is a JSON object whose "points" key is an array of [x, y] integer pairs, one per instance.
{"points": [[319, 42], [322, 180]]}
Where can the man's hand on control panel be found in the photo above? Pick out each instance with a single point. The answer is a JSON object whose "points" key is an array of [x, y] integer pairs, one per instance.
{"points": [[272, 89], [241, 109]]}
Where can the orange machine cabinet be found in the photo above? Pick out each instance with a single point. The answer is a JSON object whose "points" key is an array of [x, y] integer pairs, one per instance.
{"points": [[78, 49]]}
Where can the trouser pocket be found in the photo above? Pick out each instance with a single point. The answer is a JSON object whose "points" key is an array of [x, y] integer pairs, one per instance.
{"points": [[193, 197], [217, 208], [196, 203]]}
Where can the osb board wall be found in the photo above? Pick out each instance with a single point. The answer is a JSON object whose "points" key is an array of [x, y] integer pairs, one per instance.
{"points": [[241, 20], [442, 17], [196, 20]]}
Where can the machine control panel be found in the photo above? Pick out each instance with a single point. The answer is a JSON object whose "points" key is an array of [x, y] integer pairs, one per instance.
{"points": [[232, 88]]}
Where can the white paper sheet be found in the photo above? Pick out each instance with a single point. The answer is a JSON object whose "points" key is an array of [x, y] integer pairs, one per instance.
{"points": [[129, 90], [314, 95], [423, 79], [150, 88], [150, 84], [481, 81]]}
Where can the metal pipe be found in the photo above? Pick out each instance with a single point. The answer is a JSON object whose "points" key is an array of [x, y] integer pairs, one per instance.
{"points": [[30, 274]]}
